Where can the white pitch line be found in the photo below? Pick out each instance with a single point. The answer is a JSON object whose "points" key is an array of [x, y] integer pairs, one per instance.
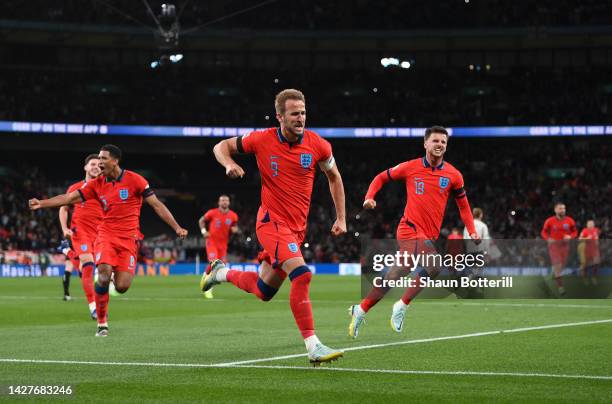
{"points": [[320, 369], [430, 372], [70, 362], [424, 340]]}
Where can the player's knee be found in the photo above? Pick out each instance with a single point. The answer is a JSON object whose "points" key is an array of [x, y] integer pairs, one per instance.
{"points": [[267, 291], [103, 279], [301, 273], [122, 288]]}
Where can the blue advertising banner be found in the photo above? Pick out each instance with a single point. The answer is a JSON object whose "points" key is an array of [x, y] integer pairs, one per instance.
{"points": [[50, 128]]}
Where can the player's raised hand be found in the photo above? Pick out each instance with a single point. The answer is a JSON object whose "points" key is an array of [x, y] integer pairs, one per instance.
{"points": [[233, 170], [339, 227], [181, 233], [369, 204], [475, 238], [34, 204]]}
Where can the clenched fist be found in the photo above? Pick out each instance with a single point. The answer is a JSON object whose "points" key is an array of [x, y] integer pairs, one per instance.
{"points": [[233, 170], [369, 204]]}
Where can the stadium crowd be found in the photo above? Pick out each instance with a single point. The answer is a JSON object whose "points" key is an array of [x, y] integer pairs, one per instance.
{"points": [[234, 97], [515, 182]]}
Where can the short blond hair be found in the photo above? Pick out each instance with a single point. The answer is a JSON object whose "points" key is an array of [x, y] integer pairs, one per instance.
{"points": [[288, 94], [477, 212]]}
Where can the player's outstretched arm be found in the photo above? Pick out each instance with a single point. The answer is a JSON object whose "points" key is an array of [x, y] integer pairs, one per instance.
{"points": [[223, 153], [63, 218], [336, 188], [165, 214], [56, 201], [375, 186]]}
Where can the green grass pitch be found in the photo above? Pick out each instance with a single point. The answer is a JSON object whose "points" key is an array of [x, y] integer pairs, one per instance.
{"points": [[162, 325]]}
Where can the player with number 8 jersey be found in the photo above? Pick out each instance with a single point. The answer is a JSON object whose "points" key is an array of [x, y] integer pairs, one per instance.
{"points": [[121, 193]]}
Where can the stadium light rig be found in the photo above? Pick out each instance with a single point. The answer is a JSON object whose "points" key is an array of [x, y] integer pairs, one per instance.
{"points": [[168, 29], [165, 60], [395, 62]]}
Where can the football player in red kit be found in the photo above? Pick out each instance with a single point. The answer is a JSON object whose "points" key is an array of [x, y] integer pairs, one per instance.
{"points": [[558, 230], [216, 226], [430, 182], [590, 257], [121, 193], [82, 231], [287, 158]]}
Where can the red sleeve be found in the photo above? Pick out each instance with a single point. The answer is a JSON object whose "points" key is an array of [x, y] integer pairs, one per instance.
{"points": [[235, 219], [142, 186], [249, 142], [457, 186], [466, 212], [88, 190], [583, 233], [546, 230], [376, 184], [399, 172], [208, 216], [325, 150]]}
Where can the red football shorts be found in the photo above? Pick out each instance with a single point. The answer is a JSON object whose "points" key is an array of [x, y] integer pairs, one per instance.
{"points": [[120, 253], [411, 241], [83, 240], [215, 250], [558, 251], [279, 242]]}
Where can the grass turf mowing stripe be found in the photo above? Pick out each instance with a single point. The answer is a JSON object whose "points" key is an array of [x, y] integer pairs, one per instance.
{"points": [[276, 358], [388, 371], [417, 341]]}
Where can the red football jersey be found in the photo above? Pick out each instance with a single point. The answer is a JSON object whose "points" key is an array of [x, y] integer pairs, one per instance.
{"points": [[555, 228], [592, 243], [121, 201], [427, 189], [87, 214], [591, 234], [220, 224], [287, 172]]}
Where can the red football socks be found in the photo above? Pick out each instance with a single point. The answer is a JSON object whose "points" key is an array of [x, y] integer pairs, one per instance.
{"points": [[412, 291], [375, 295], [299, 300], [101, 303], [87, 281], [246, 281]]}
